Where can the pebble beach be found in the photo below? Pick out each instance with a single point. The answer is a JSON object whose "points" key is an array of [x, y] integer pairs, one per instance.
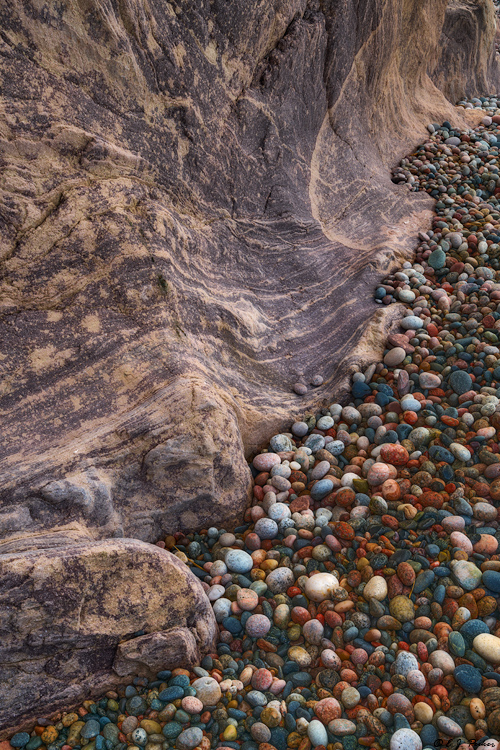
{"points": [[358, 601]]}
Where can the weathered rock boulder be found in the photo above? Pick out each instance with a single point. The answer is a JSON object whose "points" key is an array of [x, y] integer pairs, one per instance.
{"points": [[78, 617]]}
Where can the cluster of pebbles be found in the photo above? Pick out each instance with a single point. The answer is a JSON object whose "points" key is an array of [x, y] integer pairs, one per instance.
{"points": [[358, 601]]}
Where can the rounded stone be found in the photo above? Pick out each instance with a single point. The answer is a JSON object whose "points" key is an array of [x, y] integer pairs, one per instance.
{"points": [[405, 739], [265, 528], [442, 660], [207, 690], [262, 679], [412, 322], [320, 587], [247, 599], [350, 697], [257, 626], [321, 489], [260, 732], [280, 443], [415, 680], [279, 512], [266, 461], [460, 381], [423, 712], [437, 259], [189, 739], [139, 735], [239, 561], [327, 709], [300, 429], [429, 380], [300, 389], [491, 579], [448, 726], [460, 451], [342, 727], [192, 705], [466, 574], [376, 588], [20, 739], [461, 541], [487, 646], [394, 357], [279, 580], [402, 609], [405, 662], [468, 677], [317, 733]]}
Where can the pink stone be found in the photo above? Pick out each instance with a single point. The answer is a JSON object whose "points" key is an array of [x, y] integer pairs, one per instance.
{"points": [[453, 523], [359, 656], [416, 680], [330, 659], [266, 461], [487, 432], [247, 599], [277, 687], [492, 471], [461, 541], [262, 679], [257, 512], [487, 545], [429, 380], [332, 542], [327, 710], [379, 473], [252, 541], [257, 626], [192, 705]]}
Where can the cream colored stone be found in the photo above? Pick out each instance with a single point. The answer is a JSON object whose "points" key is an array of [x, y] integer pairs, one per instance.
{"points": [[321, 586], [423, 713], [376, 588], [487, 646]]}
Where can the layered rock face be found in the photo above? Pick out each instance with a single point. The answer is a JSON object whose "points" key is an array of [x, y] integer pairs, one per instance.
{"points": [[196, 205], [195, 209]]}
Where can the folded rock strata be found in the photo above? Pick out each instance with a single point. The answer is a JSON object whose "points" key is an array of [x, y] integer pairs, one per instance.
{"points": [[195, 207]]}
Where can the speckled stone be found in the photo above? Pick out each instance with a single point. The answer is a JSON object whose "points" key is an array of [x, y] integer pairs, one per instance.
{"points": [[405, 662], [257, 626], [466, 574], [238, 561], [402, 609], [405, 739], [189, 739]]}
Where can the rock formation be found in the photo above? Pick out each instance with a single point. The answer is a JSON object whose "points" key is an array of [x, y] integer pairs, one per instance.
{"points": [[196, 206], [70, 612]]}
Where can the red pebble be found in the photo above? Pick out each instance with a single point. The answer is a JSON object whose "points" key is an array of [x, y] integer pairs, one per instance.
{"points": [[252, 541], [300, 615], [394, 454]]}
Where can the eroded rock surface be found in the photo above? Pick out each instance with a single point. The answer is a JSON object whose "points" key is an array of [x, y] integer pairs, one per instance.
{"points": [[72, 618], [195, 208]]}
